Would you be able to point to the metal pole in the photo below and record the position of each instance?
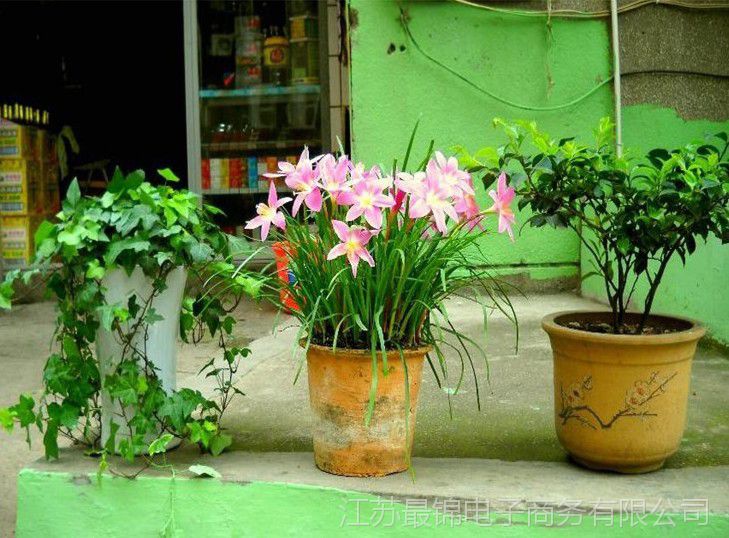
(616, 77)
(192, 96)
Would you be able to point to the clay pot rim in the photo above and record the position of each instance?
(694, 332)
(367, 354)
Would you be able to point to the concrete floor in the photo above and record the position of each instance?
(515, 423)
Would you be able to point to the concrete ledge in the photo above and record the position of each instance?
(262, 494)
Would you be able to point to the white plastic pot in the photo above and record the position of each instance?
(161, 336)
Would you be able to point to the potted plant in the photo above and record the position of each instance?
(374, 255)
(621, 377)
(117, 266)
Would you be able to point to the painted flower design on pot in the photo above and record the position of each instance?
(638, 395)
(574, 407)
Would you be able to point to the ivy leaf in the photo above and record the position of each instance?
(227, 324)
(219, 443)
(152, 316)
(73, 194)
(45, 229)
(251, 286)
(200, 252)
(95, 271)
(168, 175)
(70, 236)
(130, 243)
(69, 415)
(23, 410)
(117, 182)
(107, 199)
(50, 440)
(159, 445)
(204, 471)
(6, 294)
(7, 419)
(134, 180)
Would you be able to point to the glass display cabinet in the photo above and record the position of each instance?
(263, 80)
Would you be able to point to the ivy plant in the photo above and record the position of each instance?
(157, 228)
(632, 214)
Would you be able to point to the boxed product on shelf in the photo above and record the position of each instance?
(262, 169)
(219, 178)
(46, 147)
(252, 173)
(304, 61)
(302, 26)
(50, 189)
(16, 239)
(235, 173)
(17, 141)
(205, 175)
(272, 164)
(19, 187)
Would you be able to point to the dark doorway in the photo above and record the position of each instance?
(113, 71)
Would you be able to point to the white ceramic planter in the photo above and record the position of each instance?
(161, 341)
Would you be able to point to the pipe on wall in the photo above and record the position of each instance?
(616, 77)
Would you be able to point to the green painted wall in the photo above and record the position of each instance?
(63, 505)
(393, 85)
(698, 290)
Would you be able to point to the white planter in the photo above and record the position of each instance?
(161, 341)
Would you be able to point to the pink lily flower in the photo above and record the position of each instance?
(359, 173)
(467, 207)
(269, 214)
(367, 199)
(333, 175)
(409, 183)
(302, 179)
(430, 198)
(447, 172)
(353, 242)
(502, 197)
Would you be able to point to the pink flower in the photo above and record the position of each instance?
(502, 197)
(429, 198)
(302, 179)
(367, 199)
(353, 241)
(333, 174)
(269, 214)
(359, 173)
(448, 174)
(467, 207)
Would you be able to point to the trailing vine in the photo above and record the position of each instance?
(134, 226)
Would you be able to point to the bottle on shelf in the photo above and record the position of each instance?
(275, 57)
(220, 61)
(248, 49)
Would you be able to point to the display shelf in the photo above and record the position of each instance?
(260, 91)
(243, 190)
(215, 147)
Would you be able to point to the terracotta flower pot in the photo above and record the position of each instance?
(620, 400)
(339, 392)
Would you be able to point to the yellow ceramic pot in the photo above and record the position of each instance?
(620, 400)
